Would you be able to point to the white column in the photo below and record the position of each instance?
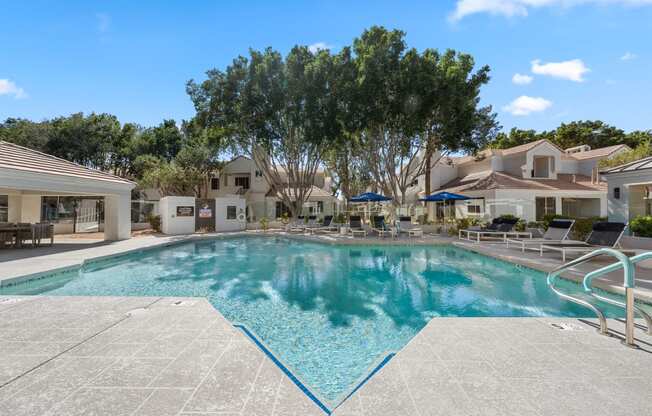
(117, 217)
(558, 207)
(15, 208)
(30, 209)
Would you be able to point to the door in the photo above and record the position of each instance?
(205, 215)
(545, 206)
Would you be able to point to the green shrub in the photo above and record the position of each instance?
(464, 223)
(264, 224)
(339, 219)
(641, 226)
(155, 222)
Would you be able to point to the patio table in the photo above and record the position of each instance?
(14, 231)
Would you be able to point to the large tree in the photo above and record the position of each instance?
(415, 105)
(280, 112)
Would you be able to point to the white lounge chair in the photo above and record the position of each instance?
(500, 229)
(557, 232)
(356, 227)
(325, 226)
(412, 230)
(381, 228)
(604, 234)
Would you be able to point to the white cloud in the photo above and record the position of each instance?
(511, 8)
(628, 56)
(572, 70)
(103, 22)
(318, 46)
(520, 79)
(8, 87)
(524, 105)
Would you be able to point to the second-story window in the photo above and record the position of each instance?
(242, 181)
(215, 184)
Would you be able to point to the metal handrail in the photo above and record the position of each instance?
(553, 275)
(588, 280)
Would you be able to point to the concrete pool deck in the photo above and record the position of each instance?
(179, 356)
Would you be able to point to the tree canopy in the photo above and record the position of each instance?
(594, 133)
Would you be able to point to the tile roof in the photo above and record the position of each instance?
(601, 152)
(645, 163)
(315, 192)
(489, 180)
(21, 158)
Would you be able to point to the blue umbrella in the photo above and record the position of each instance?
(370, 197)
(445, 196)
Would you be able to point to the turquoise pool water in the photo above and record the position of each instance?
(328, 312)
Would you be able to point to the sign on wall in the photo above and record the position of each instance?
(184, 211)
(205, 212)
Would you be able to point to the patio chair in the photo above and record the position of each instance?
(312, 222)
(500, 228)
(379, 226)
(557, 232)
(356, 227)
(42, 231)
(25, 233)
(326, 225)
(6, 235)
(405, 226)
(298, 225)
(603, 234)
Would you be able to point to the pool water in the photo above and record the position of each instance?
(328, 312)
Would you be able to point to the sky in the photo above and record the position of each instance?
(551, 61)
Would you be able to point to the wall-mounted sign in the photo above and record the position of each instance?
(185, 211)
(205, 212)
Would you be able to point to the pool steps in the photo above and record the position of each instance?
(628, 265)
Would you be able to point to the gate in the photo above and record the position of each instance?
(205, 215)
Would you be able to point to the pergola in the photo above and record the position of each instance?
(26, 176)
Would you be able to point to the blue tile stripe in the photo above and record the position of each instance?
(287, 372)
(373, 372)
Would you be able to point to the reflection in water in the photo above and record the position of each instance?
(328, 312)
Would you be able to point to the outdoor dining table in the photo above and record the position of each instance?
(14, 231)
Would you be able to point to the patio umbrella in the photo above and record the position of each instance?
(370, 197)
(445, 197)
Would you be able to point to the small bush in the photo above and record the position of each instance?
(641, 226)
(264, 223)
(155, 222)
(464, 223)
(339, 219)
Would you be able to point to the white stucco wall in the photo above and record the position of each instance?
(630, 203)
(221, 222)
(172, 224)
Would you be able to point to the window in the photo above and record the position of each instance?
(281, 210)
(58, 209)
(473, 209)
(259, 174)
(545, 206)
(413, 183)
(215, 184)
(4, 208)
(320, 206)
(242, 181)
(616, 193)
(231, 211)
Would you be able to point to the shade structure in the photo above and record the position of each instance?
(370, 197)
(445, 196)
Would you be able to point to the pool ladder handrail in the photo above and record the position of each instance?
(629, 283)
(629, 287)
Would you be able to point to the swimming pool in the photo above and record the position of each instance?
(328, 312)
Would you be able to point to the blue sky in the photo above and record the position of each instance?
(576, 59)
